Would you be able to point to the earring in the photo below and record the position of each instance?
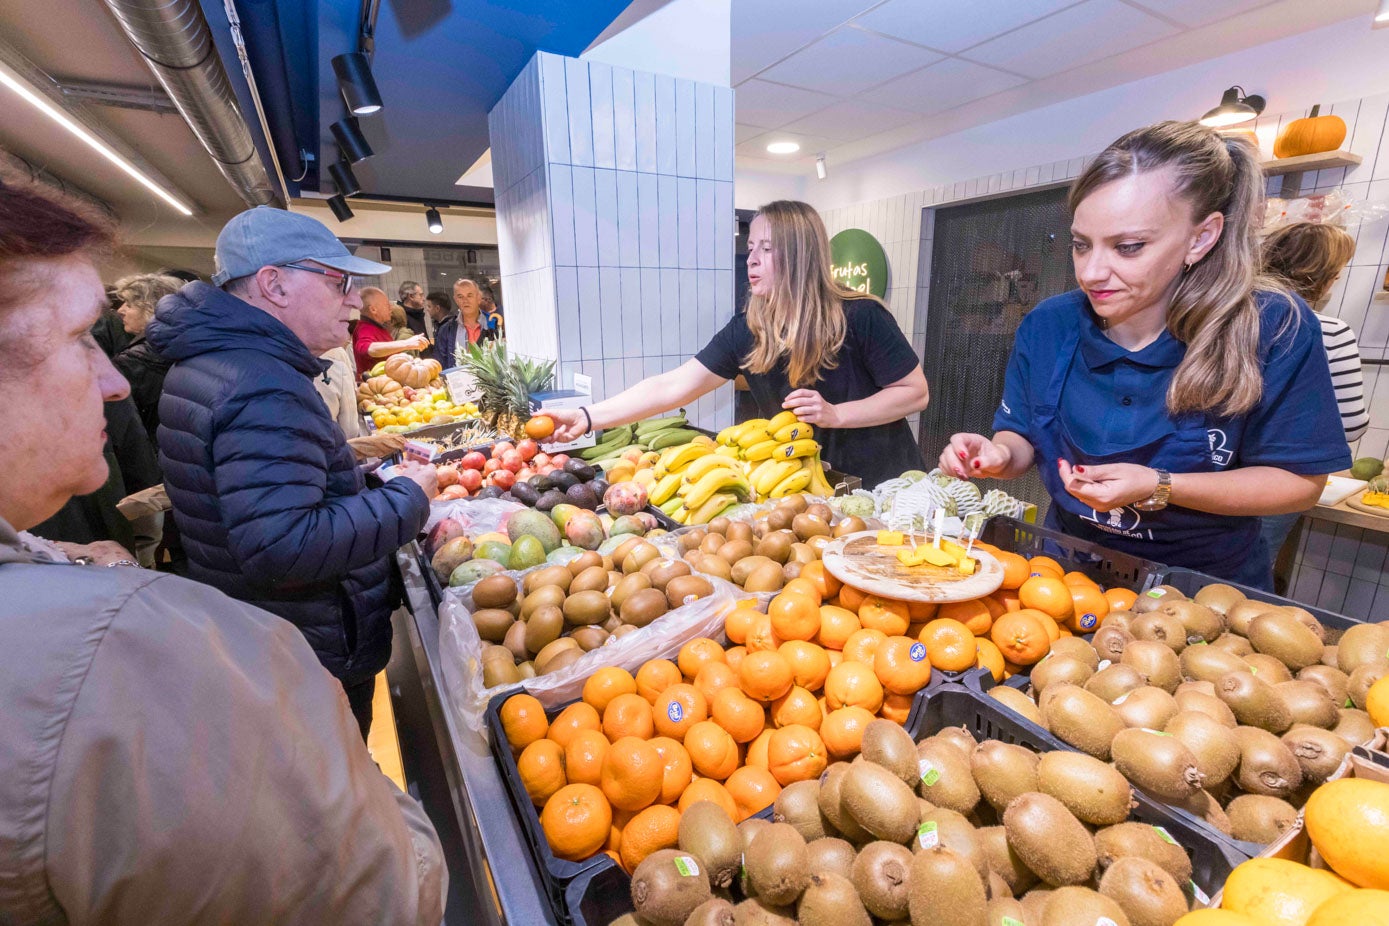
(1186, 268)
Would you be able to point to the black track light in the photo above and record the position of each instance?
(436, 224)
(351, 142)
(356, 83)
(346, 181)
(340, 207)
(1234, 108)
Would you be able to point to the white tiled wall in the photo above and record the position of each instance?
(615, 221)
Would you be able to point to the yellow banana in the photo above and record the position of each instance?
(794, 431)
(757, 470)
(781, 419)
(684, 456)
(704, 440)
(680, 515)
(711, 509)
(761, 451)
(732, 451)
(754, 433)
(728, 435)
(708, 463)
(665, 489)
(796, 482)
(716, 481)
(776, 471)
(796, 449)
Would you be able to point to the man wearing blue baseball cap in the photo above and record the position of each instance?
(267, 496)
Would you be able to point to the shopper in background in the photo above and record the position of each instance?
(833, 356)
(167, 754)
(109, 329)
(1177, 396)
(411, 296)
(373, 342)
(337, 387)
(492, 315)
(439, 306)
(266, 493)
(470, 321)
(140, 363)
(1309, 257)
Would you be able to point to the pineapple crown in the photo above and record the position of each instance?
(505, 383)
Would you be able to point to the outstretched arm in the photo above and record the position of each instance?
(651, 396)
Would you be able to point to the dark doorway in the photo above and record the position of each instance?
(991, 262)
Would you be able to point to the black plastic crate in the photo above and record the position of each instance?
(1212, 856)
(1189, 582)
(1110, 568)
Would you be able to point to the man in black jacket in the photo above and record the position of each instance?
(411, 300)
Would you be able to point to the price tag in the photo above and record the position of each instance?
(1166, 836)
(420, 451)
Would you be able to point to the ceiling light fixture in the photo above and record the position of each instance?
(783, 147)
(340, 207)
(351, 142)
(1381, 19)
(357, 84)
(436, 224)
(344, 179)
(821, 170)
(1235, 107)
(96, 144)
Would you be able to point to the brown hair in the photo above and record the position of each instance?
(38, 225)
(142, 291)
(1213, 311)
(803, 318)
(1308, 256)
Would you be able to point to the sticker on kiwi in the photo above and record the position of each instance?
(1157, 593)
(1105, 921)
(1154, 732)
(1253, 670)
(1104, 664)
(675, 711)
(1009, 921)
(929, 773)
(687, 866)
(1350, 703)
(928, 835)
(1199, 894)
(1166, 836)
(1195, 640)
(688, 598)
(1121, 699)
(917, 652)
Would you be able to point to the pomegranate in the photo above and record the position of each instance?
(559, 459)
(447, 475)
(503, 479)
(513, 460)
(473, 460)
(527, 449)
(491, 466)
(541, 459)
(501, 447)
(470, 479)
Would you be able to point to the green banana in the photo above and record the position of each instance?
(711, 509)
(670, 438)
(652, 425)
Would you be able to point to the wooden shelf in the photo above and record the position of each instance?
(1321, 161)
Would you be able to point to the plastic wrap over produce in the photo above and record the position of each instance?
(477, 515)
(462, 649)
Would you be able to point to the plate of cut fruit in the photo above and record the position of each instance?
(913, 566)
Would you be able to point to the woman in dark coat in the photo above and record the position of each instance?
(140, 363)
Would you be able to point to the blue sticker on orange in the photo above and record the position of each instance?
(917, 652)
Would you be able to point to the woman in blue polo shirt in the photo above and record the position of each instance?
(1176, 396)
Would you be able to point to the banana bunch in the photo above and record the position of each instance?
(782, 454)
(644, 435)
(694, 484)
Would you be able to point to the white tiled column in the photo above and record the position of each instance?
(614, 193)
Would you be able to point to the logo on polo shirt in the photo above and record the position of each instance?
(1220, 454)
(1124, 521)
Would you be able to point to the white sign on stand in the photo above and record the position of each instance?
(461, 385)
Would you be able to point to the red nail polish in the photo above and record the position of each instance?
(976, 464)
(1080, 469)
(962, 456)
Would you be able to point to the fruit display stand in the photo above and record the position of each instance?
(1188, 582)
(1108, 567)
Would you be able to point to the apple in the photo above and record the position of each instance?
(470, 479)
(560, 459)
(473, 460)
(513, 460)
(503, 479)
(491, 466)
(527, 449)
(541, 459)
(501, 447)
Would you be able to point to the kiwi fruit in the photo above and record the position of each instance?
(1141, 840)
(1082, 719)
(1355, 726)
(1201, 623)
(1328, 656)
(1208, 704)
(1059, 670)
(880, 802)
(1266, 765)
(945, 889)
(629, 584)
(1049, 839)
(1002, 860)
(1308, 703)
(1017, 702)
(832, 854)
(767, 577)
(1308, 620)
(1090, 789)
(716, 911)
(1110, 641)
(1362, 677)
(1208, 663)
(707, 833)
(776, 862)
(1336, 682)
(850, 525)
(744, 568)
(1156, 661)
(492, 624)
(1219, 597)
(1034, 905)
(944, 777)
(961, 738)
(681, 590)
(497, 592)
(1121, 619)
(996, 887)
(756, 912)
(1254, 702)
(1155, 598)
(587, 607)
(592, 579)
(499, 672)
(1233, 643)
(1361, 644)
(1318, 752)
(941, 827)
(1002, 771)
(1216, 754)
(552, 650)
(590, 638)
(833, 810)
(515, 641)
(880, 875)
(1160, 627)
(1259, 818)
(1157, 763)
(667, 887)
(585, 560)
(1268, 668)
(776, 546)
(1279, 634)
(661, 575)
(885, 743)
(792, 570)
(1203, 806)
(750, 828)
(644, 606)
(1005, 911)
(1146, 893)
(1146, 707)
(1242, 614)
(1081, 906)
(1192, 684)
(831, 900)
(549, 596)
(714, 566)
(798, 804)
(562, 661)
(1114, 681)
(1076, 648)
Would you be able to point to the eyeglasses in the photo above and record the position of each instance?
(347, 279)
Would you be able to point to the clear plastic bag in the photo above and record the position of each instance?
(478, 515)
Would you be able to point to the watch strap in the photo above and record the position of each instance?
(1158, 500)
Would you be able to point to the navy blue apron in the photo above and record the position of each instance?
(1226, 546)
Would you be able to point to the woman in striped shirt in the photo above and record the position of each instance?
(1309, 257)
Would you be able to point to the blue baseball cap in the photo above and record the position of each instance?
(268, 237)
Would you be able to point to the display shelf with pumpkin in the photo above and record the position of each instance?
(412, 371)
(1311, 135)
(380, 390)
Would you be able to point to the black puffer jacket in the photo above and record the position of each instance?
(266, 494)
(144, 368)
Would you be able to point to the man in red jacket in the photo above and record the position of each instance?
(372, 342)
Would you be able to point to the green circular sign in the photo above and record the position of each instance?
(858, 262)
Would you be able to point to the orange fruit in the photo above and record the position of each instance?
(738, 622)
(796, 753)
(523, 720)
(1053, 629)
(903, 665)
(1044, 565)
(765, 676)
(633, 772)
(921, 611)
(653, 829)
(851, 598)
(1089, 608)
(1015, 570)
(797, 706)
(677, 709)
(676, 770)
(707, 789)
(734, 655)
(836, 625)
(862, 644)
(628, 715)
(761, 637)
(1046, 594)
(577, 716)
(740, 715)
(577, 821)
(696, 654)
(842, 731)
(713, 677)
(853, 684)
(620, 819)
(975, 614)
(836, 657)
(809, 663)
(757, 749)
(583, 757)
(896, 707)
(1020, 637)
(1120, 599)
(825, 584)
(607, 683)
(712, 750)
(891, 617)
(655, 676)
(949, 645)
(988, 656)
(805, 588)
(753, 788)
(1008, 600)
(541, 767)
(1074, 579)
(795, 616)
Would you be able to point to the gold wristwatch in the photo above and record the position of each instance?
(1158, 500)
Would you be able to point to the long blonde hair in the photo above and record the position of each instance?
(1213, 311)
(803, 318)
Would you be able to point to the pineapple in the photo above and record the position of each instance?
(505, 384)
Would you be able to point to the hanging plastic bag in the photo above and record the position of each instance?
(477, 515)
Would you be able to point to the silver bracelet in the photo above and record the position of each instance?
(123, 562)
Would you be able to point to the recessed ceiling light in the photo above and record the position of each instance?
(783, 147)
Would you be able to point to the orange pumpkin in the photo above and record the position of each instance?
(381, 390)
(1311, 135)
(414, 372)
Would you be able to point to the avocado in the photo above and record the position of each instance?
(563, 480)
(579, 470)
(525, 494)
(550, 499)
(581, 494)
(541, 482)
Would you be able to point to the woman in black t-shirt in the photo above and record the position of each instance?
(833, 356)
